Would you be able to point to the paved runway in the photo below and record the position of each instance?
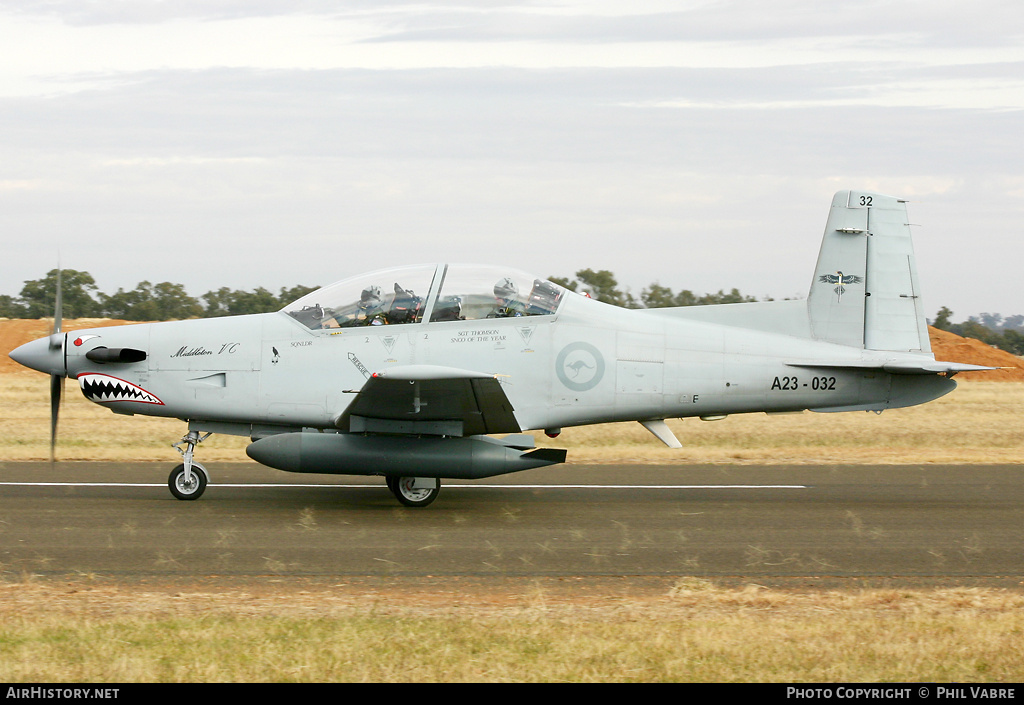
(936, 523)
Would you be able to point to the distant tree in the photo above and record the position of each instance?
(1014, 323)
(992, 321)
(601, 285)
(565, 282)
(125, 305)
(1013, 342)
(733, 297)
(218, 303)
(147, 302)
(39, 296)
(229, 302)
(11, 307)
(942, 318)
(990, 328)
(174, 303)
(971, 328)
(687, 298)
(294, 293)
(657, 296)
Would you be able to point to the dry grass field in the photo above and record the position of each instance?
(690, 631)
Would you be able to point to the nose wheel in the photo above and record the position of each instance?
(188, 486)
(188, 481)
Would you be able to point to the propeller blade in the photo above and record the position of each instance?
(56, 392)
(56, 381)
(58, 313)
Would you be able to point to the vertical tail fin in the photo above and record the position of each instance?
(865, 291)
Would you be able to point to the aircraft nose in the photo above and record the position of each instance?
(39, 355)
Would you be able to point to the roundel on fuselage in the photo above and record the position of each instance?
(579, 366)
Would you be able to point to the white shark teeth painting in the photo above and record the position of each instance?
(103, 388)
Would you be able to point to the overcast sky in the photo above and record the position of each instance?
(693, 143)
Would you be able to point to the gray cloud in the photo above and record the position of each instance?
(700, 178)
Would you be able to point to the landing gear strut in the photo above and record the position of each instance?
(188, 480)
(414, 491)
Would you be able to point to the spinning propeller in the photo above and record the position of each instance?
(57, 341)
(48, 355)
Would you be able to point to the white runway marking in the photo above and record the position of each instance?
(443, 485)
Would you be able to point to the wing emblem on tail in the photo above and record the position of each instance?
(840, 279)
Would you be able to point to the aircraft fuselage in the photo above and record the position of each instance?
(588, 363)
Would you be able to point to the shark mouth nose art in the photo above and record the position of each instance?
(102, 388)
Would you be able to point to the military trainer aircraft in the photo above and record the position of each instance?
(419, 373)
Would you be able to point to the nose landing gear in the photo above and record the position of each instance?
(188, 481)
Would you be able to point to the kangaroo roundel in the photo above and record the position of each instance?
(579, 366)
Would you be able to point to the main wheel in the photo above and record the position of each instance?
(188, 490)
(411, 496)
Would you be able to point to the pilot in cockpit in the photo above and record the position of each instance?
(371, 308)
(507, 305)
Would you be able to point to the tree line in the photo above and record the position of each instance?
(602, 285)
(991, 328)
(167, 301)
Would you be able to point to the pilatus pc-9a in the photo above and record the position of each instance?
(422, 373)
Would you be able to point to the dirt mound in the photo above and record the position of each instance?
(947, 347)
(952, 348)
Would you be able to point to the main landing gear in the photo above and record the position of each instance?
(188, 480)
(414, 491)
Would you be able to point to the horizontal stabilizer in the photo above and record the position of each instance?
(951, 368)
(903, 367)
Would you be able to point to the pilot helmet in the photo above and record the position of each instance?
(505, 289)
(370, 298)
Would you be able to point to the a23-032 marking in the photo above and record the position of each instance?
(817, 383)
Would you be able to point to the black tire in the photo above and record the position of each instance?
(404, 492)
(195, 489)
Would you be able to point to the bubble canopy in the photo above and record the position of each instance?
(436, 293)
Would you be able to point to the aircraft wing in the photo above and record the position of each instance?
(901, 367)
(430, 400)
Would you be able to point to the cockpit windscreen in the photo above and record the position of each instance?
(471, 292)
(387, 297)
(400, 295)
